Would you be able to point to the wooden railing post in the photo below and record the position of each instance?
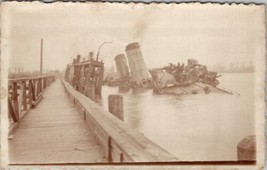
(41, 85)
(24, 98)
(38, 87)
(44, 82)
(11, 111)
(15, 100)
(31, 92)
(24, 92)
(34, 90)
(47, 82)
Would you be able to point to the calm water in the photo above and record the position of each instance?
(193, 127)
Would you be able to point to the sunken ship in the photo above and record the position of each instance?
(193, 78)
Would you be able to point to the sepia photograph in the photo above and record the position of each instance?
(92, 84)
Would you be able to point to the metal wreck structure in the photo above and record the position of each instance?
(193, 78)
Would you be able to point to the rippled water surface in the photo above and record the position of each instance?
(193, 127)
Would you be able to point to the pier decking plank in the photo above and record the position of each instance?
(53, 133)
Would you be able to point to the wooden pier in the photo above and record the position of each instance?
(54, 133)
(67, 128)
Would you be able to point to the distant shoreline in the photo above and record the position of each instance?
(235, 71)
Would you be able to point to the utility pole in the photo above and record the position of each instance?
(41, 58)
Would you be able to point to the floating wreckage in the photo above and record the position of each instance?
(179, 79)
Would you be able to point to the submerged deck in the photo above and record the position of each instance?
(54, 133)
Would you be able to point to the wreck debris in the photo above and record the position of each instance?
(192, 78)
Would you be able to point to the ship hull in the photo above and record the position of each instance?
(194, 88)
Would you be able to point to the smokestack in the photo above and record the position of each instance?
(137, 64)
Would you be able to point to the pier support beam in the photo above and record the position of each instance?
(115, 106)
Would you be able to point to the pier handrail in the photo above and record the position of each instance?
(28, 78)
(120, 142)
(24, 93)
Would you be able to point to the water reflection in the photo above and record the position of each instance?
(193, 127)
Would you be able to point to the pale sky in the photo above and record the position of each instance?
(167, 33)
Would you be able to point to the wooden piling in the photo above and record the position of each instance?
(246, 149)
(115, 105)
(90, 91)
